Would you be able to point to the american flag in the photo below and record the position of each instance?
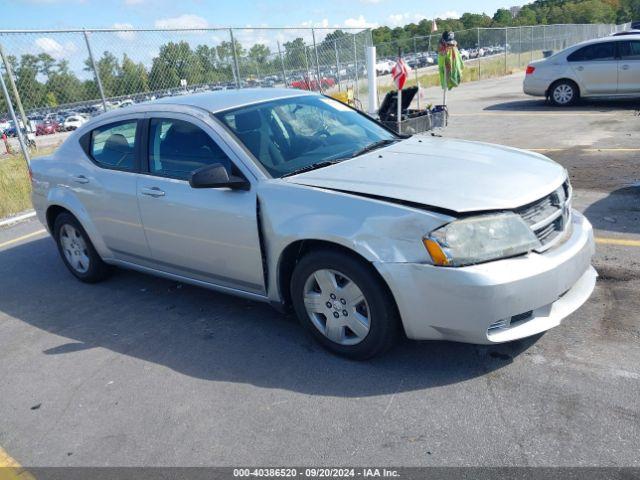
(399, 73)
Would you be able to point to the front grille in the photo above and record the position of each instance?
(550, 216)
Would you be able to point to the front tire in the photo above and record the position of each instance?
(77, 251)
(343, 303)
(563, 93)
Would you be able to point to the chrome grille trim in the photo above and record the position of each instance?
(549, 217)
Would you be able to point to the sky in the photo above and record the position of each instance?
(56, 14)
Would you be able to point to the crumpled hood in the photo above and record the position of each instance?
(456, 175)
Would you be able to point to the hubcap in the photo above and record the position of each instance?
(74, 248)
(337, 307)
(563, 93)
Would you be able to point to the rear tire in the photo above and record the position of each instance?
(563, 93)
(77, 251)
(343, 303)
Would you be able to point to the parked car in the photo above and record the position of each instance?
(295, 199)
(384, 67)
(607, 66)
(72, 122)
(47, 127)
(312, 83)
(626, 32)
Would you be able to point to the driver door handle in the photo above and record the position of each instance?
(152, 192)
(580, 68)
(625, 67)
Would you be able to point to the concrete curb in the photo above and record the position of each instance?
(17, 219)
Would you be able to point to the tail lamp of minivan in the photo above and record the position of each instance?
(530, 69)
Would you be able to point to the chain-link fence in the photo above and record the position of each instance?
(55, 74)
(487, 52)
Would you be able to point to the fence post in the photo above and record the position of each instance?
(23, 145)
(315, 49)
(335, 46)
(14, 89)
(544, 37)
(355, 63)
(479, 76)
(372, 82)
(284, 72)
(519, 45)
(531, 44)
(506, 47)
(95, 70)
(235, 58)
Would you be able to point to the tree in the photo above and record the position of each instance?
(502, 17)
(133, 77)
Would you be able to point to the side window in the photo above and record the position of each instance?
(597, 52)
(177, 148)
(630, 50)
(113, 145)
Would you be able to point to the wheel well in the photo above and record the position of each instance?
(295, 251)
(52, 213)
(568, 80)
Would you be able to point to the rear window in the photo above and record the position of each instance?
(597, 52)
(113, 145)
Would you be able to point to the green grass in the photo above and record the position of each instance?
(15, 187)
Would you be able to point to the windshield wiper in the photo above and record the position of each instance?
(374, 146)
(308, 168)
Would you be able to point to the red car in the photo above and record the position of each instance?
(47, 128)
(312, 84)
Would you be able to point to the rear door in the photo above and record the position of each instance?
(596, 68)
(106, 186)
(629, 67)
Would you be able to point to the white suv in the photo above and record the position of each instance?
(604, 67)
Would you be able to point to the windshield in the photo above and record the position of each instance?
(297, 133)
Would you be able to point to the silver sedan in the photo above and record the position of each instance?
(292, 198)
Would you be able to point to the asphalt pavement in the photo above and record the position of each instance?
(141, 371)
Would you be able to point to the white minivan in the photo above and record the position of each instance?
(607, 66)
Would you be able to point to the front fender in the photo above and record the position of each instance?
(376, 230)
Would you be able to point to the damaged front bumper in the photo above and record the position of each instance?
(497, 301)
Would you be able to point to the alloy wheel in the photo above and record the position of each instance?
(563, 94)
(337, 307)
(74, 248)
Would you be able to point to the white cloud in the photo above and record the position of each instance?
(401, 19)
(182, 21)
(55, 49)
(124, 35)
(133, 2)
(359, 22)
(448, 14)
(324, 23)
(371, 1)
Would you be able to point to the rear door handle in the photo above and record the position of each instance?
(580, 68)
(152, 192)
(80, 179)
(625, 67)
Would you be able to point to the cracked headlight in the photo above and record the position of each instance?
(480, 239)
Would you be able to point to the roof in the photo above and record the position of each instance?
(226, 99)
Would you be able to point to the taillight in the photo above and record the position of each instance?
(530, 69)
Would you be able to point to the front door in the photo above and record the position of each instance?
(629, 69)
(206, 234)
(596, 68)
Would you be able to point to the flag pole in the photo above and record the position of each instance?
(399, 94)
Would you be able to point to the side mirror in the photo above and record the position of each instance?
(216, 176)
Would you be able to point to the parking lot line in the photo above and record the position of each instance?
(618, 241)
(536, 114)
(23, 237)
(604, 150)
(10, 469)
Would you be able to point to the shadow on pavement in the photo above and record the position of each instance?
(216, 337)
(617, 212)
(540, 105)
